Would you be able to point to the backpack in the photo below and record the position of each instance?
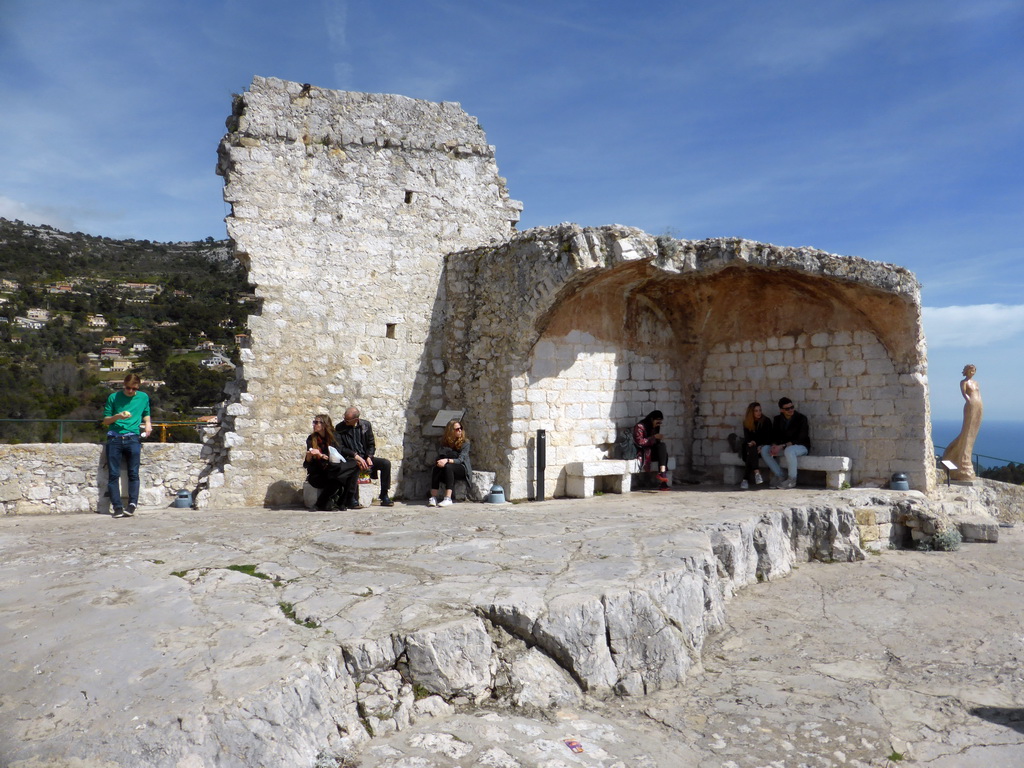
(625, 448)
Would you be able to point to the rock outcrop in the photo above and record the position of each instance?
(197, 639)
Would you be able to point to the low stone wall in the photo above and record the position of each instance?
(47, 478)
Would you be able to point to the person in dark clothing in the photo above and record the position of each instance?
(356, 441)
(452, 463)
(792, 438)
(651, 446)
(329, 473)
(757, 432)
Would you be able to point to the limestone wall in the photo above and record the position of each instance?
(380, 239)
(857, 402)
(63, 478)
(343, 207)
(582, 331)
(530, 347)
(583, 391)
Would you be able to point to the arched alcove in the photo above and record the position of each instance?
(699, 331)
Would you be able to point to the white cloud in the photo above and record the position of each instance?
(15, 209)
(977, 325)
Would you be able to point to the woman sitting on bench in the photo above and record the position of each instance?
(650, 445)
(757, 431)
(452, 464)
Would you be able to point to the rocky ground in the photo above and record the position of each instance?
(497, 636)
(907, 658)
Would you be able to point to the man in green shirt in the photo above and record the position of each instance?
(125, 414)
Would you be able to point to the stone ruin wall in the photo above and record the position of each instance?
(343, 207)
(380, 239)
(583, 391)
(602, 325)
(578, 382)
(858, 403)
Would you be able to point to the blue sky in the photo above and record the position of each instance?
(888, 130)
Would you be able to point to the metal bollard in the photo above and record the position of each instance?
(542, 460)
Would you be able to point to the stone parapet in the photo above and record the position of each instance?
(49, 478)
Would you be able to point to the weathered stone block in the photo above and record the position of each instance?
(980, 529)
(865, 516)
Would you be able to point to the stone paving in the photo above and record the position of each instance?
(132, 642)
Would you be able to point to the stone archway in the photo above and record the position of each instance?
(614, 323)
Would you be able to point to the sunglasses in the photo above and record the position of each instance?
(317, 421)
(789, 407)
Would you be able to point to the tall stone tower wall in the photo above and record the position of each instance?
(343, 208)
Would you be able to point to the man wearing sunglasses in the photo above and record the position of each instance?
(792, 439)
(356, 441)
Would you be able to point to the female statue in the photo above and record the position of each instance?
(961, 449)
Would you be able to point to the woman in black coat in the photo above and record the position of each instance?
(452, 464)
(324, 471)
(757, 431)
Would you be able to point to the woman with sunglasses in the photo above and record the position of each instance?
(452, 464)
(326, 469)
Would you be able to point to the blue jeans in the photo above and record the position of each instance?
(791, 453)
(128, 447)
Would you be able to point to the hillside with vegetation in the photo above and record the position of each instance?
(78, 312)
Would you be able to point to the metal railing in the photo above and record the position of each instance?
(940, 449)
(161, 425)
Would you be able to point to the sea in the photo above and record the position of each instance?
(998, 443)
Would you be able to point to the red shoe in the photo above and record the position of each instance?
(663, 478)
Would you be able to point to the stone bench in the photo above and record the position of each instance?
(616, 477)
(836, 468)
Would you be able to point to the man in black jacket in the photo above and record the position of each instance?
(356, 441)
(792, 438)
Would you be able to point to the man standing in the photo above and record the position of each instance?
(792, 438)
(125, 413)
(356, 441)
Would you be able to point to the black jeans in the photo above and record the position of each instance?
(659, 457)
(447, 474)
(334, 480)
(750, 455)
(381, 469)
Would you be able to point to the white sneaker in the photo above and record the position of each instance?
(445, 502)
(757, 478)
(789, 482)
(431, 502)
(744, 485)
